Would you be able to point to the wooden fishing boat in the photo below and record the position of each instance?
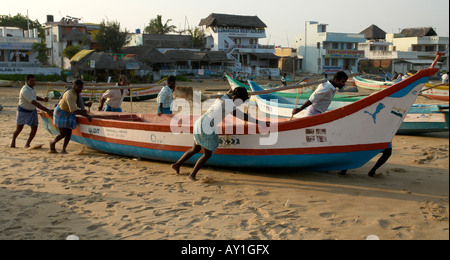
(5, 83)
(439, 92)
(289, 95)
(420, 118)
(138, 94)
(371, 84)
(341, 139)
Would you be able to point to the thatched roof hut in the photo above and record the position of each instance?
(97, 61)
(74, 35)
(147, 55)
(418, 32)
(230, 21)
(374, 32)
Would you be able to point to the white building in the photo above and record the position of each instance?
(239, 37)
(67, 32)
(411, 50)
(16, 50)
(326, 52)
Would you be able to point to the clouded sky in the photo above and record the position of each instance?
(285, 19)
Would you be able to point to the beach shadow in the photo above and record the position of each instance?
(31, 215)
(392, 181)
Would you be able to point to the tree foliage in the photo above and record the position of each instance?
(156, 26)
(110, 38)
(197, 37)
(41, 49)
(21, 22)
(70, 51)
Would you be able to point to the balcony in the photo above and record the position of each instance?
(252, 48)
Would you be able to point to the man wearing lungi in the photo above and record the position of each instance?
(64, 117)
(26, 110)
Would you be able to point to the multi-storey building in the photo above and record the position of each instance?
(326, 52)
(16, 50)
(239, 37)
(67, 32)
(411, 50)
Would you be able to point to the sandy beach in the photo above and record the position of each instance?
(98, 196)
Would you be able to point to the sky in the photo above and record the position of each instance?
(285, 19)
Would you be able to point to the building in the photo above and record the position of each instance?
(411, 50)
(16, 47)
(421, 44)
(16, 52)
(65, 33)
(288, 60)
(326, 52)
(163, 42)
(239, 37)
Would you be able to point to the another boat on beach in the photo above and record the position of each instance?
(341, 139)
(371, 84)
(420, 118)
(6, 83)
(138, 94)
(436, 92)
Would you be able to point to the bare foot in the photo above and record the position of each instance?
(176, 168)
(52, 148)
(63, 152)
(192, 178)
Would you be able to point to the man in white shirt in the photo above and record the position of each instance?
(114, 97)
(445, 78)
(321, 99)
(165, 97)
(26, 110)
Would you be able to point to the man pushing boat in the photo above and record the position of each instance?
(65, 118)
(321, 99)
(206, 132)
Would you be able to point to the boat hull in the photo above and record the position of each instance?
(137, 94)
(342, 139)
(371, 84)
(440, 93)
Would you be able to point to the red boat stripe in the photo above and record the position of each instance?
(259, 152)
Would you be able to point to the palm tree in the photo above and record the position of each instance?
(197, 37)
(157, 27)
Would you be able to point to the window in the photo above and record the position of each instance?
(430, 48)
(335, 46)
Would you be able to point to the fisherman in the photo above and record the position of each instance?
(26, 110)
(165, 96)
(114, 97)
(205, 129)
(321, 99)
(284, 80)
(65, 118)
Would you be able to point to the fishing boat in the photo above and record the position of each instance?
(371, 84)
(289, 95)
(436, 92)
(419, 119)
(341, 139)
(5, 83)
(138, 94)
